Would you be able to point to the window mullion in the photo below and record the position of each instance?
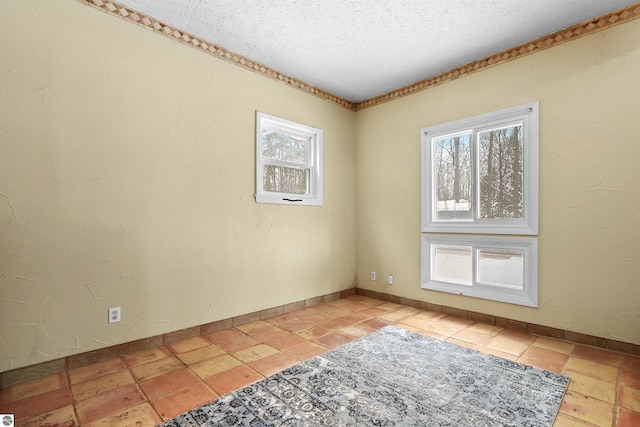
(286, 163)
(433, 203)
(475, 174)
(474, 265)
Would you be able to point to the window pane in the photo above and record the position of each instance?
(452, 264)
(501, 172)
(280, 146)
(284, 179)
(453, 177)
(503, 268)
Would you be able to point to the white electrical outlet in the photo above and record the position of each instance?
(390, 279)
(114, 315)
(373, 275)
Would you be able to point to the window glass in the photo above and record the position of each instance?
(452, 264)
(453, 183)
(501, 192)
(279, 146)
(499, 267)
(286, 179)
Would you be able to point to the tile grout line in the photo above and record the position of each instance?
(332, 312)
(147, 399)
(572, 354)
(539, 330)
(617, 405)
(73, 398)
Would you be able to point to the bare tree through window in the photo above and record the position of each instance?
(501, 172)
(453, 154)
(286, 159)
(288, 162)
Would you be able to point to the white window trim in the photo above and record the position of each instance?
(314, 198)
(528, 224)
(528, 296)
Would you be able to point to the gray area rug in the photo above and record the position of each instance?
(392, 377)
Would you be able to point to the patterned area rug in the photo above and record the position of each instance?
(392, 377)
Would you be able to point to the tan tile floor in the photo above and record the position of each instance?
(145, 388)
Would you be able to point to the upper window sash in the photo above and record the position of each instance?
(458, 192)
(288, 162)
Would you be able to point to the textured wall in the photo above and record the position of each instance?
(127, 179)
(589, 270)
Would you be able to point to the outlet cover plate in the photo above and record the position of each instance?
(114, 314)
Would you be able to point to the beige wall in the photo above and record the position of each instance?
(127, 179)
(589, 265)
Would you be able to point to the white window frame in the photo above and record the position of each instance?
(484, 233)
(526, 114)
(266, 122)
(527, 296)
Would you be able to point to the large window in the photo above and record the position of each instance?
(480, 181)
(480, 175)
(288, 162)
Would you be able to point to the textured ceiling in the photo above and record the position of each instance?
(357, 49)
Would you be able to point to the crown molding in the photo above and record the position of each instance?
(116, 9)
(557, 38)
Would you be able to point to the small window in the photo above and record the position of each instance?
(498, 268)
(288, 162)
(480, 175)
